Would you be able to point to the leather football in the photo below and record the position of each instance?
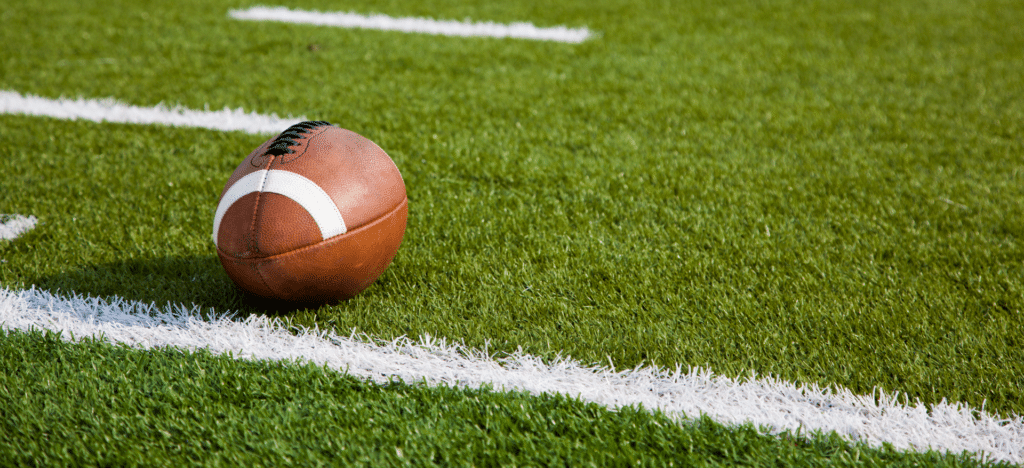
(315, 214)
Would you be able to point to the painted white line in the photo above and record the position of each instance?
(413, 25)
(12, 226)
(765, 402)
(109, 110)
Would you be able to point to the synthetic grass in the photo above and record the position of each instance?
(829, 192)
(94, 404)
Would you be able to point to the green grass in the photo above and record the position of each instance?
(829, 192)
(94, 404)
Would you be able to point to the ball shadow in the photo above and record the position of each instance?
(195, 280)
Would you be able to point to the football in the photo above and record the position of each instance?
(314, 214)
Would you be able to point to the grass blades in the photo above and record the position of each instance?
(825, 192)
(92, 403)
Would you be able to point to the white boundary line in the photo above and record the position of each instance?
(413, 25)
(12, 226)
(110, 110)
(765, 402)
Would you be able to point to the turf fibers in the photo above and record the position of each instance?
(94, 404)
(828, 192)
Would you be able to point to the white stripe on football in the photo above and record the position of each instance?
(303, 191)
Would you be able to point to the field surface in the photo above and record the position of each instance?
(827, 193)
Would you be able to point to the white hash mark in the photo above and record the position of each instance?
(520, 30)
(109, 110)
(12, 226)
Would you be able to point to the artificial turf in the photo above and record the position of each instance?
(828, 192)
(95, 404)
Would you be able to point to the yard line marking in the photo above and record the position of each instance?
(110, 110)
(766, 402)
(381, 22)
(12, 226)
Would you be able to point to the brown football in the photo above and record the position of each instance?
(315, 214)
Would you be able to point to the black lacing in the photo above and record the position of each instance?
(287, 138)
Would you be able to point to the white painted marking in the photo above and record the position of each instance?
(413, 25)
(303, 191)
(109, 110)
(765, 402)
(12, 226)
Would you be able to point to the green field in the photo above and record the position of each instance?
(826, 192)
(122, 407)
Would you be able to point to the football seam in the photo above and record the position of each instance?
(259, 274)
(311, 197)
(262, 260)
(304, 134)
(257, 212)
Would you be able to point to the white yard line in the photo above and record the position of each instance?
(12, 226)
(765, 402)
(413, 25)
(109, 110)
